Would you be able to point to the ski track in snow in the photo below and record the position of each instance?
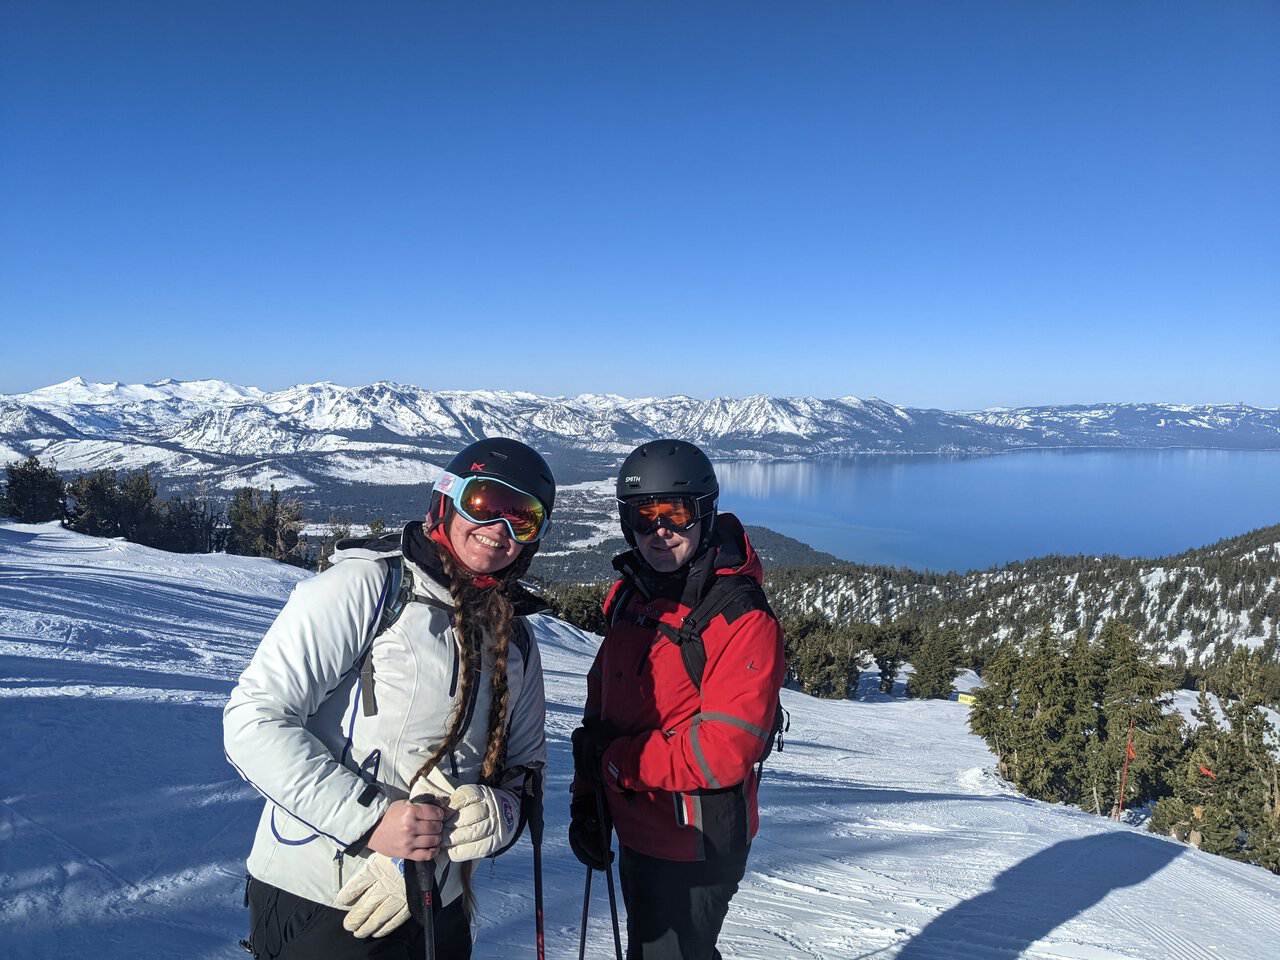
(885, 833)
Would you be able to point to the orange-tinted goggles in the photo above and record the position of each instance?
(486, 500)
(645, 515)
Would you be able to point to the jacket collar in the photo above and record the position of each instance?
(421, 552)
(423, 558)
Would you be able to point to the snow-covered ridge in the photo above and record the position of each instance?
(220, 426)
(1186, 605)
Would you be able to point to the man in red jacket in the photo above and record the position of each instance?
(677, 720)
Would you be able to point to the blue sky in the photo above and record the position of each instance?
(951, 204)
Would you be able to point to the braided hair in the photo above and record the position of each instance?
(480, 612)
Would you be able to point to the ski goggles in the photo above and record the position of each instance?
(678, 513)
(485, 500)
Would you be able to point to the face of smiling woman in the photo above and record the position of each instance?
(482, 549)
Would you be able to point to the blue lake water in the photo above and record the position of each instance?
(959, 513)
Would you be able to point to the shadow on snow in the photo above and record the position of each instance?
(1041, 893)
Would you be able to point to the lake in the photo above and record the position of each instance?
(959, 513)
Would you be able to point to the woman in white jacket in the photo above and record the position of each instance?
(406, 668)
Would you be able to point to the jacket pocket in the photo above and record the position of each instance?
(277, 918)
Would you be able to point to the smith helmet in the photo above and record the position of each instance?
(667, 483)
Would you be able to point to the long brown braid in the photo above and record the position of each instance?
(480, 611)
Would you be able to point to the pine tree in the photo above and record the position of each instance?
(1045, 695)
(191, 525)
(95, 504)
(33, 493)
(1135, 696)
(1086, 725)
(936, 663)
(991, 716)
(245, 535)
(894, 644)
(265, 526)
(136, 509)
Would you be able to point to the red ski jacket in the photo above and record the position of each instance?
(680, 774)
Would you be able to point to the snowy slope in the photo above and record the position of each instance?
(122, 830)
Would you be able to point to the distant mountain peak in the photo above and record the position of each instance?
(211, 426)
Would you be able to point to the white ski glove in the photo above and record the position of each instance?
(374, 898)
(484, 821)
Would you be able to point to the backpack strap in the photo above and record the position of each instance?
(398, 593)
(522, 637)
(731, 596)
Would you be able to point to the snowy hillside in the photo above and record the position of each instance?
(221, 432)
(1183, 605)
(122, 829)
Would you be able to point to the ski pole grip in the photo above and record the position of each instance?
(425, 872)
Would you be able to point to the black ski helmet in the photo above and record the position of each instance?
(503, 459)
(665, 467)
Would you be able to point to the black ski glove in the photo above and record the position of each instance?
(590, 843)
(589, 744)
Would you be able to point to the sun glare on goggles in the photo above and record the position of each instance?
(486, 500)
(644, 515)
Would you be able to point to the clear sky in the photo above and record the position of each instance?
(943, 204)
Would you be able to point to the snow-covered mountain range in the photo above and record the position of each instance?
(885, 832)
(388, 433)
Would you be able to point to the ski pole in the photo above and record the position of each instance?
(586, 909)
(535, 834)
(425, 870)
(606, 835)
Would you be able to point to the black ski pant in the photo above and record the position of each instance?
(674, 909)
(285, 927)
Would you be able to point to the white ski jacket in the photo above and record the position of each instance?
(297, 726)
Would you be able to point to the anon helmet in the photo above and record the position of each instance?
(500, 458)
(663, 469)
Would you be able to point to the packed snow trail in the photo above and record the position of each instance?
(123, 830)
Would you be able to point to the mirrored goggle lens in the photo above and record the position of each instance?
(482, 500)
(674, 513)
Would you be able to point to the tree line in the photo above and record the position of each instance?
(1192, 609)
(127, 504)
(824, 658)
(1089, 721)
